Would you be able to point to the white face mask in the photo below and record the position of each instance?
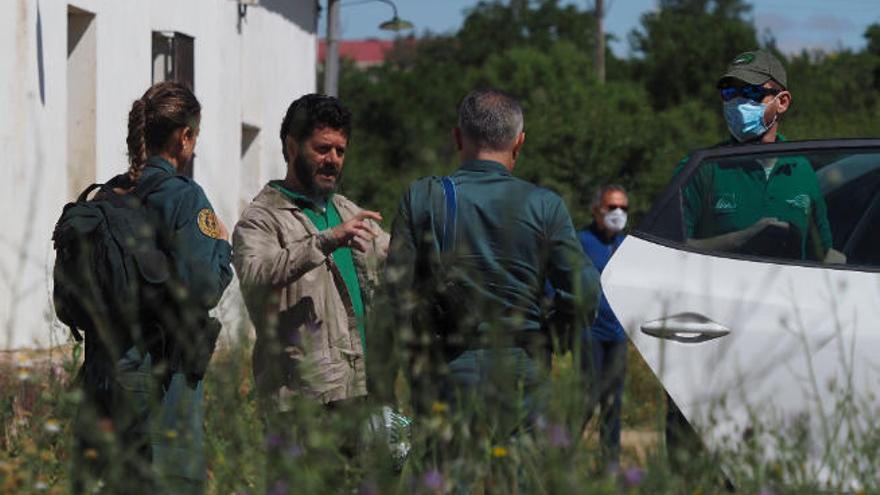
(615, 220)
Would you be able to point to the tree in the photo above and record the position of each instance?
(686, 45)
(872, 35)
(580, 134)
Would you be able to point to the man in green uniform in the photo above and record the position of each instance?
(769, 206)
(763, 205)
(467, 268)
(307, 259)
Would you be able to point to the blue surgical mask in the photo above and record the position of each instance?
(745, 118)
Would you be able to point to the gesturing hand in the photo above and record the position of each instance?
(356, 232)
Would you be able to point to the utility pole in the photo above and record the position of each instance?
(331, 58)
(600, 42)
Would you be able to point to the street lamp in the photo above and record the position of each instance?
(331, 60)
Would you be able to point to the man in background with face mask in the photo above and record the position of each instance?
(605, 353)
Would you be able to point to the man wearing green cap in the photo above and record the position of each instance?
(767, 206)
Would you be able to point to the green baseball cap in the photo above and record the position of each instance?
(756, 67)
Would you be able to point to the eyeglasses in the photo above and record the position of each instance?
(750, 91)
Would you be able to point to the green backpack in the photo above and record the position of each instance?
(110, 269)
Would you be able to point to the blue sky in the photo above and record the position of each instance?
(796, 24)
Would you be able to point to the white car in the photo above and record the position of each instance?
(742, 339)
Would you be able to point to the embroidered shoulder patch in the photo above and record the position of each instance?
(208, 223)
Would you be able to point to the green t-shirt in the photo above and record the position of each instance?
(735, 193)
(327, 218)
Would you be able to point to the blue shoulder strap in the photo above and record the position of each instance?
(448, 240)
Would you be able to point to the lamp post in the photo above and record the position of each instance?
(331, 59)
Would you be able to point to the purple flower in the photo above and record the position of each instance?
(274, 441)
(633, 477)
(279, 488)
(433, 480)
(294, 451)
(314, 325)
(557, 435)
(368, 487)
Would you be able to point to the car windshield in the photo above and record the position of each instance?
(814, 206)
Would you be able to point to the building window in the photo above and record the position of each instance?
(173, 58)
(82, 55)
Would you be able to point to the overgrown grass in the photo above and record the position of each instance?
(38, 404)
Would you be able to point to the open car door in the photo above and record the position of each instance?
(755, 316)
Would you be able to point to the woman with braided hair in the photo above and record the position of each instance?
(148, 391)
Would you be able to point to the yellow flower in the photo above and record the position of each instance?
(171, 434)
(499, 451)
(439, 407)
(52, 426)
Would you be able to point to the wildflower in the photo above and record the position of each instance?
(633, 477)
(557, 435)
(294, 451)
(41, 486)
(368, 487)
(499, 451)
(279, 488)
(171, 434)
(106, 426)
(90, 454)
(314, 325)
(24, 375)
(433, 480)
(439, 407)
(274, 440)
(52, 426)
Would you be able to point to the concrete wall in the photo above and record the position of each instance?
(246, 72)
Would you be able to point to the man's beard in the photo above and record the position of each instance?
(306, 174)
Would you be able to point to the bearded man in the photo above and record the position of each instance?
(307, 260)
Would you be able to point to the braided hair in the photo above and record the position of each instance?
(164, 108)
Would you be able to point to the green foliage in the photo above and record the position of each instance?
(872, 35)
(653, 110)
(685, 46)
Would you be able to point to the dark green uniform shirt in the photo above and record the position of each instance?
(733, 195)
(511, 236)
(201, 258)
(327, 218)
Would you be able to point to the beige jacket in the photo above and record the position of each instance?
(307, 337)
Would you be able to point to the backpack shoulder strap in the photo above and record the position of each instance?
(85, 194)
(448, 240)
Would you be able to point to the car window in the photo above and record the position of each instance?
(816, 206)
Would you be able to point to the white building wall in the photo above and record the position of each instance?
(243, 73)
